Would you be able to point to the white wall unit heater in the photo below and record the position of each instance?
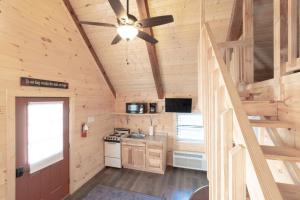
(190, 160)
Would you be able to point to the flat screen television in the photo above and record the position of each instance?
(179, 105)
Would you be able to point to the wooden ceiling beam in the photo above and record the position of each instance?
(89, 45)
(143, 8)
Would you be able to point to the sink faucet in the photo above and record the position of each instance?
(140, 131)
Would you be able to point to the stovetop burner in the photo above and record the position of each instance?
(117, 135)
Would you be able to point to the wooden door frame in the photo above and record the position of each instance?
(11, 131)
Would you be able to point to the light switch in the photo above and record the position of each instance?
(91, 119)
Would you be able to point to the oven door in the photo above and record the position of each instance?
(112, 149)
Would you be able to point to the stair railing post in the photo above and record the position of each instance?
(237, 171)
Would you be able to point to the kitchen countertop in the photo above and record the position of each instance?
(158, 137)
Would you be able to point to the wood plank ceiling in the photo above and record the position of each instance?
(218, 15)
(127, 63)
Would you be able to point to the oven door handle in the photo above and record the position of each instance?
(113, 142)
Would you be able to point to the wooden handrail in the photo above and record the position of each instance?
(264, 176)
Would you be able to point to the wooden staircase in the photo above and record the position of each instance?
(232, 168)
(269, 109)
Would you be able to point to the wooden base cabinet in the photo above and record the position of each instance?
(127, 157)
(154, 159)
(134, 157)
(144, 156)
(139, 160)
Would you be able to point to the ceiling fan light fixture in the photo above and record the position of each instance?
(127, 32)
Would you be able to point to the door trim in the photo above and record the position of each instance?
(11, 131)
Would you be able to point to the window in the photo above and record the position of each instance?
(45, 134)
(190, 128)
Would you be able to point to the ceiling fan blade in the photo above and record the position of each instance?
(118, 8)
(97, 24)
(156, 21)
(116, 40)
(147, 37)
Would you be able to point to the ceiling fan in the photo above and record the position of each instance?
(129, 26)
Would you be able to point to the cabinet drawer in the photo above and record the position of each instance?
(113, 162)
(154, 154)
(154, 164)
(134, 143)
(154, 146)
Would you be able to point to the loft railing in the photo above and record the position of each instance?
(239, 54)
(293, 27)
(234, 53)
(235, 159)
(238, 50)
(286, 41)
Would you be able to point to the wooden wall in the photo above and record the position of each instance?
(163, 123)
(38, 39)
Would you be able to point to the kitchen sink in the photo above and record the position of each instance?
(136, 136)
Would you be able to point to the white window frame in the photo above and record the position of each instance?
(179, 139)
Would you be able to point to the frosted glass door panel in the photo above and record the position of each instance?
(45, 134)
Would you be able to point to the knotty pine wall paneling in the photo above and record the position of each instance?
(38, 39)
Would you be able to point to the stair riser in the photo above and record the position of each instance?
(263, 108)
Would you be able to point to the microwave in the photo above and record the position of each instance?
(136, 108)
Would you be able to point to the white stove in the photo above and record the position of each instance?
(113, 147)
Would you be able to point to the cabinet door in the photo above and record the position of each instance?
(154, 159)
(139, 157)
(127, 159)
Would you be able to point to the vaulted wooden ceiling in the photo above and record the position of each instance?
(176, 50)
(127, 64)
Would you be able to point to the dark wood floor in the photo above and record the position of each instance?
(175, 184)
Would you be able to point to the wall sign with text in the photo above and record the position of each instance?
(43, 83)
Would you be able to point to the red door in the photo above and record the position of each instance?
(42, 148)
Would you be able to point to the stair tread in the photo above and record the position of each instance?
(289, 191)
(271, 124)
(281, 153)
(259, 101)
(260, 108)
